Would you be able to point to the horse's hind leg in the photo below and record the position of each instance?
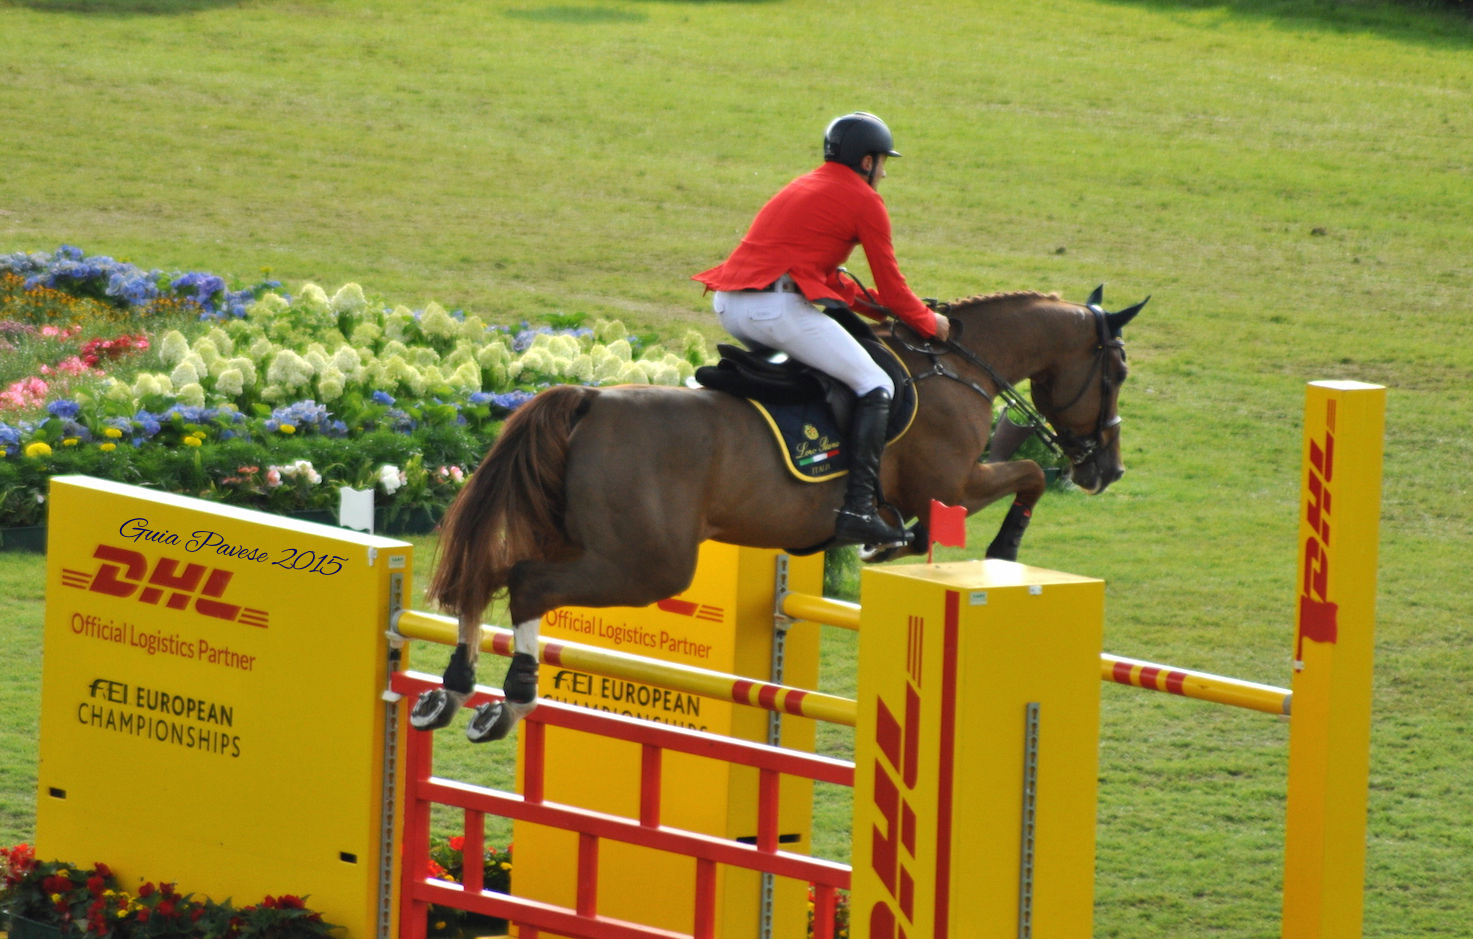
(589, 580)
(438, 706)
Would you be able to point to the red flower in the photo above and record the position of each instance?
(143, 914)
(166, 908)
(288, 902)
(457, 843)
(103, 870)
(146, 890)
(95, 883)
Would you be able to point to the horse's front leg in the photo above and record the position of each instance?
(436, 707)
(989, 482)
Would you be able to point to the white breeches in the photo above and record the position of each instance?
(789, 323)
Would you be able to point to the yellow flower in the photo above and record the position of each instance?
(107, 447)
(192, 441)
(288, 429)
(38, 449)
(71, 441)
(56, 898)
(505, 866)
(439, 924)
(112, 432)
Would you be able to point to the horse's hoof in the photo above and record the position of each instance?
(435, 709)
(495, 721)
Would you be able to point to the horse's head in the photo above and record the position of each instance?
(1078, 393)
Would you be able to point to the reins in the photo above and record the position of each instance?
(1056, 442)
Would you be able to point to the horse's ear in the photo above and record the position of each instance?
(1096, 296)
(1117, 321)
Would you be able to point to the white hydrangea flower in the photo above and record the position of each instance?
(173, 348)
(273, 394)
(330, 384)
(348, 299)
(247, 369)
(346, 359)
(581, 369)
(608, 370)
(268, 305)
(472, 327)
(422, 357)
(289, 370)
(608, 331)
(396, 324)
(564, 347)
(366, 335)
(621, 349)
(261, 349)
(221, 340)
(313, 299)
(664, 374)
(391, 478)
(436, 322)
(634, 373)
(184, 374)
(230, 382)
(536, 360)
(467, 377)
(395, 347)
(192, 394)
(493, 354)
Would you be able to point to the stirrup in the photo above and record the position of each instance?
(854, 528)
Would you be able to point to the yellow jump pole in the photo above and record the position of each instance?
(428, 627)
(1330, 737)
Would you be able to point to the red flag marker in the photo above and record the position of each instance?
(948, 527)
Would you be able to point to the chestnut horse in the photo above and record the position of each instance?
(601, 496)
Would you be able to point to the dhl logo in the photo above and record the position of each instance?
(712, 614)
(169, 582)
(896, 776)
(1317, 615)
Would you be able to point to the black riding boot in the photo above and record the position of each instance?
(859, 521)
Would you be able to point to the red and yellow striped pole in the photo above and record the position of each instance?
(720, 686)
(1330, 736)
(1200, 685)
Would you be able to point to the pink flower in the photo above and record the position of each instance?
(273, 477)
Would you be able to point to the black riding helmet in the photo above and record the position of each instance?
(849, 139)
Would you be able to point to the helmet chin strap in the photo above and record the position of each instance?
(874, 167)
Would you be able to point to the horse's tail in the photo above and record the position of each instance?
(512, 507)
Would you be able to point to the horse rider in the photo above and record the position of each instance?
(789, 261)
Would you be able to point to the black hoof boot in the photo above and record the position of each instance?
(1010, 536)
(520, 683)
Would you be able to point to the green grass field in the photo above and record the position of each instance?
(1292, 182)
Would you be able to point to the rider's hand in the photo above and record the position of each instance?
(943, 328)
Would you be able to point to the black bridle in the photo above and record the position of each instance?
(1063, 443)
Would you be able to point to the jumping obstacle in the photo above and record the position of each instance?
(174, 659)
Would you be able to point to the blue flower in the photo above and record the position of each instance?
(383, 397)
(65, 410)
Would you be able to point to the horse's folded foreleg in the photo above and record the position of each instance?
(989, 482)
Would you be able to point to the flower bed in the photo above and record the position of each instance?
(259, 398)
(77, 902)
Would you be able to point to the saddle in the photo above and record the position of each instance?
(808, 411)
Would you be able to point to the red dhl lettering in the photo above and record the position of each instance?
(1317, 614)
(167, 582)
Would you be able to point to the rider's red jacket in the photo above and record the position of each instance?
(810, 228)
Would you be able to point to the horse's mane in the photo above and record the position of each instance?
(1005, 295)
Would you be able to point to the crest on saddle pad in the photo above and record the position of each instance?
(807, 410)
